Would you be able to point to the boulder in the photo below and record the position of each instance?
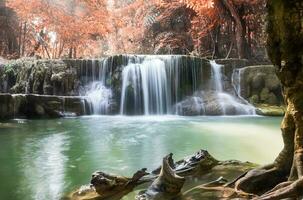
(254, 99)
(269, 110)
(261, 81)
(258, 82)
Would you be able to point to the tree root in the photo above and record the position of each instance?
(285, 190)
(260, 180)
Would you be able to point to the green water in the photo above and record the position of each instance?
(44, 159)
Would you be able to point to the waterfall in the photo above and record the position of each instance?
(217, 76)
(159, 85)
(226, 100)
(97, 94)
(236, 80)
(98, 97)
(148, 79)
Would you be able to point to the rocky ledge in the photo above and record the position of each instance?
(270, 110)
(39, 106)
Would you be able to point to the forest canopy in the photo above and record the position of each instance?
(90, 28)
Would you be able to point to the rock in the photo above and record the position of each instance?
(268, 97)
(39, 110)
(33, 106)
(212, 103)
(264, 95)
(258, 82)
(269, 110)
(192, 106)
(254, 99)
(7, 109)
(46, 77)
(261, 81)
(272, 99)
(272, 83)
(233, 63)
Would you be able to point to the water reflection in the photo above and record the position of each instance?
(43, 166)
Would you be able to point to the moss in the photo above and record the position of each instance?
(10, 69)
(268, 110)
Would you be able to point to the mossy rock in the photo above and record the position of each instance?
(269, 110)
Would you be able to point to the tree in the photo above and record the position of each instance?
(285, 42)
(238, 19)
(8, 35)
(54, 28)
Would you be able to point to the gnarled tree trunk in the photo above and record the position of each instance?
(285, 49)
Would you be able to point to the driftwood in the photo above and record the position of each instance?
(168, 185)
(164, 182)
(107, 186)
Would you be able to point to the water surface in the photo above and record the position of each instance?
(44, 159)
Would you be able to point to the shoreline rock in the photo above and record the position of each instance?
(270, 110)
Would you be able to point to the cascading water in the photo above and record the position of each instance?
(147, 81)
(98, 97)
(226, 100)
(97, 94)
(237, 81)
(152, 85)
(217, 76)
(158, 85)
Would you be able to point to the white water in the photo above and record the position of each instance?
(217, 76)
(99, 98)
(153, 85)
(149, 79)
(226, 100)
(97, 94)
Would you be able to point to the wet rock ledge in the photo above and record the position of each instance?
(39, 106)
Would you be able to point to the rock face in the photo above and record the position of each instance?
(47, 77)
(37, 106)
(260, 85)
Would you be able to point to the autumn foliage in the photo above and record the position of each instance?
(90, 28)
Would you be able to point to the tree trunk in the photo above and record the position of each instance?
(216, 43)
(240, 36)
(70, 53)
(285, 49)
